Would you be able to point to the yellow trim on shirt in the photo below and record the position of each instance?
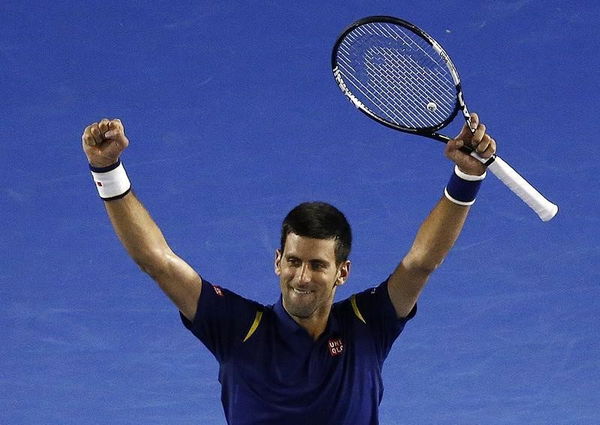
(356, 310)
(254, 326)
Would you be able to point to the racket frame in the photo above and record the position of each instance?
(431, 132)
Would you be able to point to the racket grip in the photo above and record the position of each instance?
(521, 187)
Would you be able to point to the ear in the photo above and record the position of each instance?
(278, 256)
(343, 273)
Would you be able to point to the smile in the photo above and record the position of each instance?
(297, 291)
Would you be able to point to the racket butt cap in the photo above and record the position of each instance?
(549, 214)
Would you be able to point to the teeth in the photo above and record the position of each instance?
(301, 292)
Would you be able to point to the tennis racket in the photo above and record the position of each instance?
(398, 75)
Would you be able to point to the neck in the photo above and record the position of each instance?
(314, 325)
(316, 322)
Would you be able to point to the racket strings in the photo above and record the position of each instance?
(418, 66)
(398, 75)
(405, 85)
(379, 97)
(370, 92)
(402, 71)
(397, 85)
(380, 92)
(432, 66)
(374, 96)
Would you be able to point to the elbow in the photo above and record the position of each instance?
(426, 268)
(422, 264)
(154, 263)
(146, 267)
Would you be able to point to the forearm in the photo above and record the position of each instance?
(437, 235)
(138, 232)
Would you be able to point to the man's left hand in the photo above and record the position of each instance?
(481, 142)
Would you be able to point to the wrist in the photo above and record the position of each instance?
(462, 188)
(100, 168)
(100, 161)
(111, 181)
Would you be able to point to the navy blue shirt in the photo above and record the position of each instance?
(272, 372)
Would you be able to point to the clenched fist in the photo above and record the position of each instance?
(477, 139)
(104, 142)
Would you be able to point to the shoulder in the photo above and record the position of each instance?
(371, 304)
(219, 307)
(349, 309)
(220, 295)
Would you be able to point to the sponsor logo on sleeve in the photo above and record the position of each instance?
(218, 290)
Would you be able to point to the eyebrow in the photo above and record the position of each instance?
(312, 260)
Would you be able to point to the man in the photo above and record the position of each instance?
(304, 359)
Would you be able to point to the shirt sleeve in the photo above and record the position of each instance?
(222, 319)
(377, 311)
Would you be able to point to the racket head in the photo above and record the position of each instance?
(398, 75)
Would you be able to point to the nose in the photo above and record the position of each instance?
(305, 274)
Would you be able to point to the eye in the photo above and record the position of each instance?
(318, 265)
(293, 262)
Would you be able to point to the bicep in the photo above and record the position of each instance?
(405, 286)
(180, 282)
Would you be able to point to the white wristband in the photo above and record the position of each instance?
(469, 177)
(112, 181)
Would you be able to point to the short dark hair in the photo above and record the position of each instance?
(319, 220)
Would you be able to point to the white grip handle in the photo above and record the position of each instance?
(521, 187)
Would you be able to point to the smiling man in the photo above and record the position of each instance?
(312, 262)
(305, 359)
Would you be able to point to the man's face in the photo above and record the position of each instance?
(308, 276)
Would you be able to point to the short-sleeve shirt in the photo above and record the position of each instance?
(272, 372)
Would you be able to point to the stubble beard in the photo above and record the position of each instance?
(301, 308)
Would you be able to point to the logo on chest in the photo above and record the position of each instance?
(336, 346)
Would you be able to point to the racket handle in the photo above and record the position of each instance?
(521, 187)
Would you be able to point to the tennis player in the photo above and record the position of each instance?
(305, 359)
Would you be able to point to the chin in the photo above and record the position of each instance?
(300, 311)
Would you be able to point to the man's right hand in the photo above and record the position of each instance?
(104, 142)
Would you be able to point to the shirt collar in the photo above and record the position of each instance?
(289, 325)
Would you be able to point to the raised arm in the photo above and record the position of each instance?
(103, 144)
(441, 228)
